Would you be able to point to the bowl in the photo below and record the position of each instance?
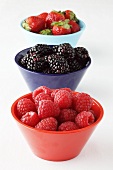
(34, 38)
(57, 145)
(34, 79)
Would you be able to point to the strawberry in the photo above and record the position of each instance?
(33, 24)
(54, 16)
(70, 15)
(74, 26)
(61, 28)
(43, 15)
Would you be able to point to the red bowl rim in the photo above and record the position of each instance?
(57, 132)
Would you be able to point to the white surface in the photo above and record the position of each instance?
(98, 82)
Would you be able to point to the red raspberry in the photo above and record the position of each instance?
(67, 89)
(54, 92)
(49, 123)
(25, 105)
(46, 109)
(41, 96)
(83, 102)
(63, 98)
(30, 118)
(66, 126)
(84, 118)
(67, 115)
(41, 89)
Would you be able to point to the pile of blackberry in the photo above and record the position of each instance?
(56, 59)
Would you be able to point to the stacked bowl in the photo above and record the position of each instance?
(54, 145)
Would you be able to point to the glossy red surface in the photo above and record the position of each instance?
(57, 146)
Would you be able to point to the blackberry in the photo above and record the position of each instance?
(64, 49)
(74, 65)
(42, 49)
(58, 64)
(82, 55)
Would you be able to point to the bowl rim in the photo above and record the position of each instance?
(82, 28)
(44, 74)
(57, 132)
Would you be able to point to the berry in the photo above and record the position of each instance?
(41, 89)
(54, 16)
(61, 28)
(49, 123)
(67, 126)
(83, 102)
(70, 15)
(25, 105)
(43, 15)
(82, 55)
(63, 98)
(67, 115)
(33, 24)
(30, 118)
(58, 64)
(41, 96)
(46, 108)
(84, 119)
(65, 50)
(74, 26)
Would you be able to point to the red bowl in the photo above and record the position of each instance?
(57, 145)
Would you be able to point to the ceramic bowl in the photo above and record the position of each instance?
(34, 38)
(34, 79)
(57, 145)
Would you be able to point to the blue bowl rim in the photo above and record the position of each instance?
(82, 26)
(21, 53)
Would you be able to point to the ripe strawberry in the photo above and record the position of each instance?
(30, 118)
(63, 99)
(74, 26)
(67, 115)
(49, 123)
(25, 105)
(43, 15)
(54, 16)
(83, 102)
(41, 89)
(70, 15)
(67, 126)
(33, 24)
(61, 28)
(47, 108)
(84, 118)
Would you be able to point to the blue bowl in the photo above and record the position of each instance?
(34, 79)
(34, 38)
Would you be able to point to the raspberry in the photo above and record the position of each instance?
(54, 92)
(25, 105)
(84, 119)
(30, 118)
(63, 98)
(67, 115)
(41, 96)
(46, 109)
(49, 123)
(83, 102)
(67, 126)
(41, 89)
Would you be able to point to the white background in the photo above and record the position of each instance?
(98, 82)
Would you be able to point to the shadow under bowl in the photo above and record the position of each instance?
(57, 145)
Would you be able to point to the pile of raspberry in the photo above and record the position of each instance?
(56, 109)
